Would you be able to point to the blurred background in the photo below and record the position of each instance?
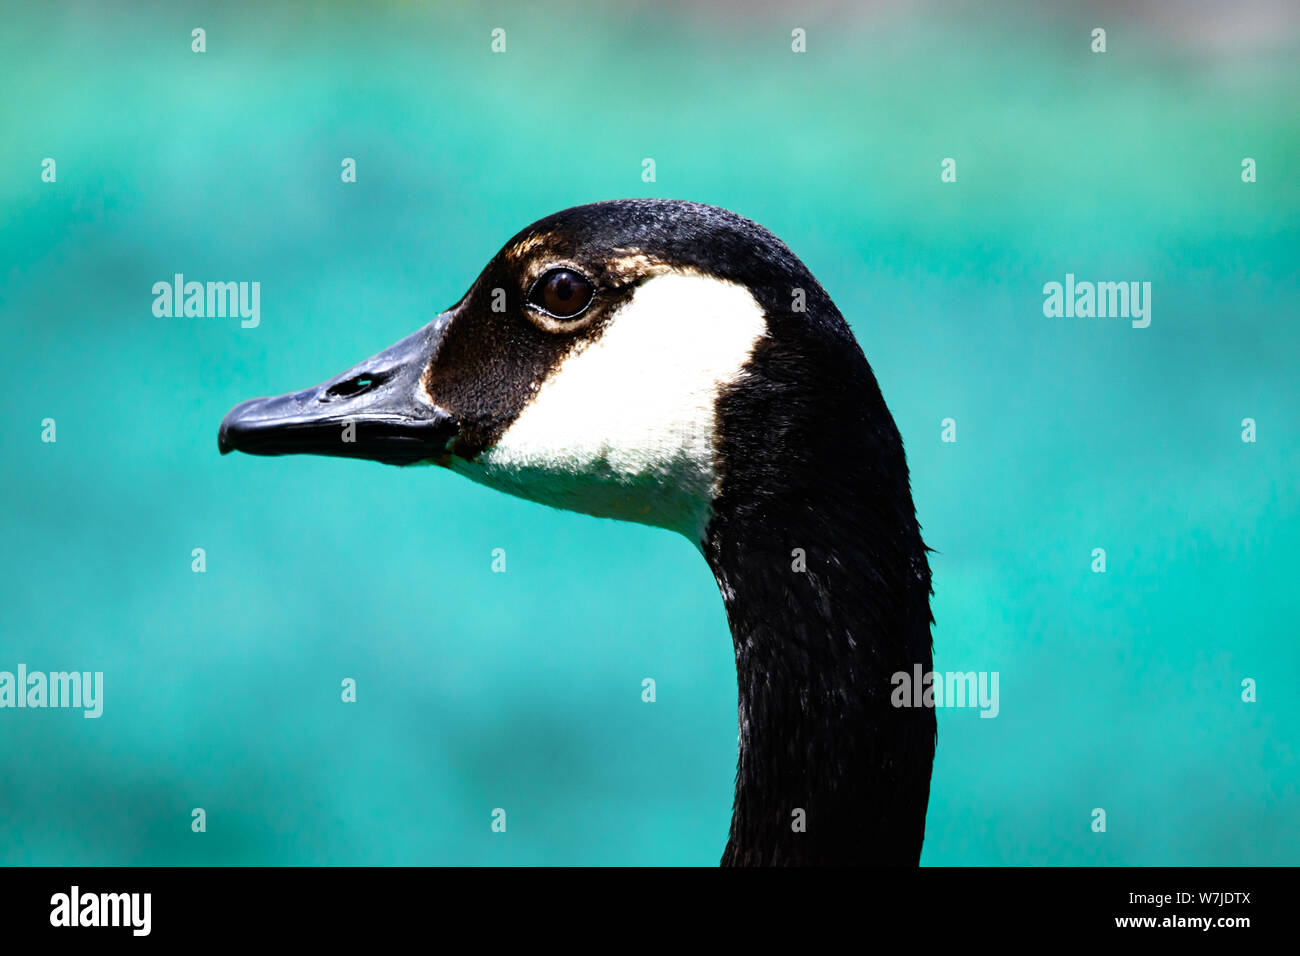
(522, 690)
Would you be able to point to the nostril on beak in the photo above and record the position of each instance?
(356, 385)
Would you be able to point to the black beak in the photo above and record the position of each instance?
(378, 410)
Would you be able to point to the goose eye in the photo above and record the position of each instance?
(562, 292)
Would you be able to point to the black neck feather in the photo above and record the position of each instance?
(815, 476)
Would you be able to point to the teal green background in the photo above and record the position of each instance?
(522, 690)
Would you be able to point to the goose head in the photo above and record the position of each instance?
(583, 369)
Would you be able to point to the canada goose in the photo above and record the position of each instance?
(675, 364)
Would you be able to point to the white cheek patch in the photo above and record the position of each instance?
(626, 427)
